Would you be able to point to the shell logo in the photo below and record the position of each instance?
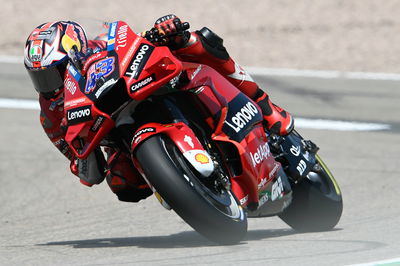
(201, 158)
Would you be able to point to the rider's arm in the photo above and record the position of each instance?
(204, 47)
(51, 115)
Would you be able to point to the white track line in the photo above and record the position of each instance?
(390, 262)
(299, 122)
(19, 104)
(279, 72)
(338, 125)
(286, 72)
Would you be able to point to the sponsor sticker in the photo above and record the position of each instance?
(244, 200)
(36, 53)
(122, 37)
(129, 53)
(189, 141)
(113, 29)
(139, 60)
(262, 183)
(93, 58)
(79, 115)
(196, 72)
(260, 155)
(277, 189)
(242, 117)
(106, 85)
(201, 158)
(97, 124)
(102, 68)
(301, 167)
(111, 36)
(73, 72)
(46, 34)
(274, 170)
(141, 132)
(295, 150)
(75, 102)
(142, 83)
(70, 85)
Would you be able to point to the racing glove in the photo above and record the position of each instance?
(173, 32)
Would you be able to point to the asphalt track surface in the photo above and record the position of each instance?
(48, 218)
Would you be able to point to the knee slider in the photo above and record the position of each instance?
(212, 43)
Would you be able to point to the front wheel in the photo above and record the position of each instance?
(212, 211)
(317, 202)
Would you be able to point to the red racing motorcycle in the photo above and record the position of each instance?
(196, 139)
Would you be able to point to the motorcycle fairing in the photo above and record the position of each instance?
(86, 88)
(184, 138)
(241, 126)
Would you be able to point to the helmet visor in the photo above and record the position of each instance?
(48, 79)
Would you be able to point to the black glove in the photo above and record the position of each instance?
(171, 31)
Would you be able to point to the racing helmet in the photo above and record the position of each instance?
(46, 53)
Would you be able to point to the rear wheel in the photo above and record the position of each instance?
(210, 209)
(317, 202)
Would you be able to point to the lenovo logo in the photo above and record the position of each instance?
(244, 116)
(79, 115)
(139, 60)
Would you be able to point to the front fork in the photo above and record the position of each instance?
(297, 155)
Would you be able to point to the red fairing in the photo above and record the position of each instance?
(179, 133)
(216, 93)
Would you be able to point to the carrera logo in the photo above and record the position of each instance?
(142, 83)
(79, 115)
(139, 60)
(243, 117)
(97, 124)
(262, 153)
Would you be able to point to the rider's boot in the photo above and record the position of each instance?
(124, 179)
(276, 120)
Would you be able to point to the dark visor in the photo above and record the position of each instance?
(48, 79)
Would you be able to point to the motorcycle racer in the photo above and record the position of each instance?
(47, 52)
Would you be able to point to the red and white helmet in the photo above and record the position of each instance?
(46, 53)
